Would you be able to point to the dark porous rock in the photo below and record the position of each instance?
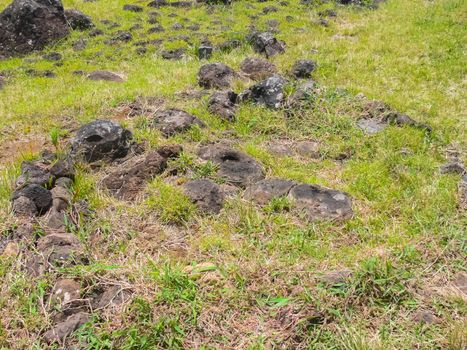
(264, 191)
(303, 68)
(455, 167)
(172, 121)
(319, 203)
(257, 68)
(269, 92)
(205, 51)
(229, 45)
(223, 104)
(121, 36)
(105, 76)
(401, 119)
(40, 196)
(63, 168)
(265, 43)
(426, 317)
(66, 328)
(205, 194)
(235, 167)
(60, 248)
(170, 151)
(127, 182)
(24, 206)
(371, 126)
(176, 54)
(35, 172)
(133, 8)
(101, 140)
(52, 56)
(78, 20)
(158, 3)
(215, 75)
(61, 198)
(28, 25)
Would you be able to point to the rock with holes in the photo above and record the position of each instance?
(215, 76)
(66, 327)
(206, 194)
(265, 43)
(264, 191)
(223, 104)
(319, 203)
(78, 20)
(31, 199)
(29, 25)
(172, 121)
(269, 92)
(101, 140)
(127, 182)
(257, 68)
(235, 167)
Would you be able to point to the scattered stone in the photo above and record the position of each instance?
(170, 151)
(101, 140)
(279, 149)
(427, 317)
(462, 189)
(172, 121)
(371, 126)
(205, 194)
(133, 8)
(25, 197)
(60, 248)
(215, 75)
(265, 43)
(455, 167)
(303, 68)
(29, 25)
(320, 203)
(235, 167)
(105, 76)
(78, 20)
(176, 54)
(65, 291)
(35, 172)
(229, 45)
(269, 92)
(65, 328)
(112, 296)
(264, 191)
(52, 56)
(205, 52)
(126, 182)
(258, 68)
(223, 104)
(308, 149)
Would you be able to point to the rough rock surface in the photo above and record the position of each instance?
(28, 25)
(78, 20)
(265, 43)
(223, 104)
(172, 121)
(319, 203)
(65, 328)
(126, 182)
(303, 68)
(265, 190)
(27, 198)
(235, 167)
(205, 194)
(269, 92)
(215, 75)
(65, 291)
(257, 68)
(101, 140)
(60, 248)
(105, 76)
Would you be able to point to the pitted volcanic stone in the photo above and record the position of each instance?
(266, 44)
(235, 167)
(172, 121)
(206, 194)
(40, 196)
(101, 140)
(78, 20)
(265, 190)
(35, 172)
(269, 92)
(223, 104)
(28, 25)
(321, 203)
(215, 75)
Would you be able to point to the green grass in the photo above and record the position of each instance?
(404, 245)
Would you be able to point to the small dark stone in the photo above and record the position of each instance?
(265, 43)
(269, 92)
(65, 328)
(78, 20)
(258, 68)
(39, 195)
(215, 75)
(303, 68)
(264, 191)
(105, 76)
(133, 8)
(172, 121)
(205, 194)
(205, 52)
(223, 104)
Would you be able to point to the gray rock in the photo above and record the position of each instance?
(78, 20)
(264, 191)
(303, 68)
(269, 92)
(205, 194)
(258, 68)
(172, 121)
(101, 140)
(235, 167)
(319, 203)
(265, 43)
(105, 76)
(66, 328)
(371, 126)
(215, 75)
(29, 25)
(223, 104)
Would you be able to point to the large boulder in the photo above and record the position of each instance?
(28, 25)
(101, 140)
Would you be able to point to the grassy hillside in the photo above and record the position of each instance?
(252, 277)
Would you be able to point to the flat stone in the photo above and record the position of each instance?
(319, 203)
(105, 76)
(264, 191)
(371, 126)
(172, 121)
(205, 194)
(66, 328)
(65, 291)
